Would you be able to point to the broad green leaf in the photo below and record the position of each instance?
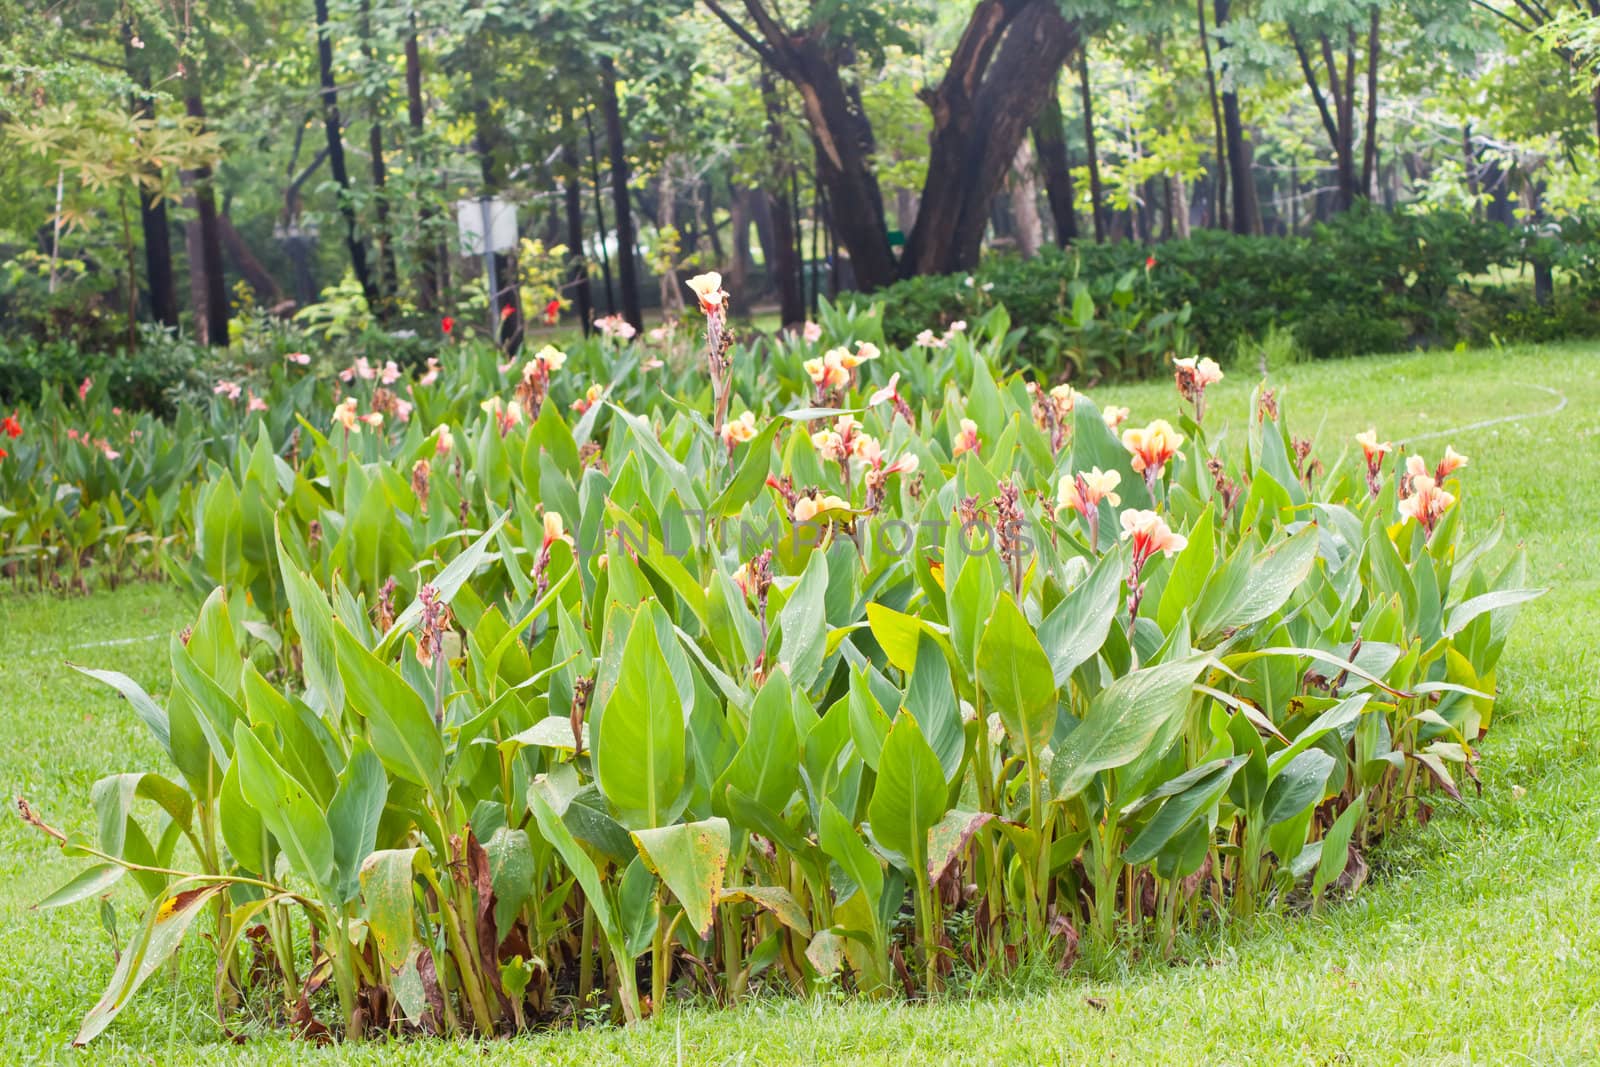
(692, 859)
(354, 814)
(1124, 719)
(1077, 627)
(1015, 673)
(287, 809)
(639, 754)
(403, 732)
(909, 798)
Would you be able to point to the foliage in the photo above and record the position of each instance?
(1366, 282)
(504, 697)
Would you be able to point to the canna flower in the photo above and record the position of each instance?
(708, 288)
(742, 579)
(1114, 416)
(84, 387)
(402, 409)
(1083, 492)
(929, 339)
(967, 440)
(589, 399)
(1151, 448)
(1193, 376)
(431, 374)
(811, 332)
(615, 326)
(660, 335)
(255, 403)
(649, 364)
(373, 419)
(1374, 451)
(867, 449)
(865, 352)
(1150, 534)
(1452, 462)
(551, 356)
(555, 529)
(345, 415)
(10, 426)
(1427, 503)
(737, 431)
(552, 312)
(390, 373)
(829, 445)
(301, 359)
(230, 390)
(829, 372)
(807, 508)
(444, 441)
(448, 325)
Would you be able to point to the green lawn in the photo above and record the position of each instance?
(1477, 940)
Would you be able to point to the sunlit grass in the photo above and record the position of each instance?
(1475, 941)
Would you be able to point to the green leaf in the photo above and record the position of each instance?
(287, 809)
(1014, 671)
(169, 919)
(909, 798)
(1077, 627)
(692, 859)
(639, 755)
(403, 732)
(803, 623)
(766, 766)
(386, 888)
(313, 620)
(354, 814)
(1297, 786)
(1122, 722)
(512, 871)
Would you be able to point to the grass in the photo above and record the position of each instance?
(1475, 941)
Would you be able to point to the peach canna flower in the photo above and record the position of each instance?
(1083, 491)
(1427, 503)
(807, 508)
(708, 288)
(737, 431)
(967, 440)
(1452, 462)
(1150, 534)
(444, 441)
(345, 415)
(1151, 447)
(1114, 416)
(555, 529)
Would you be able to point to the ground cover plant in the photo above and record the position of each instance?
(472, 733)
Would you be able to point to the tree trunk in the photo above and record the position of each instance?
(1246, 207)
(430, 253)
(783, 253)
(1023, 186)
(1220, 193)
(1178, 205)
(506, 300)
(1096, 197)
(578, 265)
(211, 313)
(268, 293)
(388, 281)
(334, 127)
(152, 206)
(627, 266)
(1369, 152)
(666, 222)
(738, 272)
(1000, 75)
(600, 213)
(1050, 142)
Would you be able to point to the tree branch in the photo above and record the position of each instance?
(1316, 90)
(766, 54)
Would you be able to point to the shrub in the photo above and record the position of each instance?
(1368, 281)
(562, 681)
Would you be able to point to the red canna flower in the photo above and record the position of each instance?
(506, 312)
(10, 426)
(447, 324)
(552, 312)
(1149, 262)
(4, 453)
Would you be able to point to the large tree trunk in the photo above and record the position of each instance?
(738, 272)
(1050, 142)
(578, 265)
(336, 163)
(1000, 75)
(1369, 152)
(1096, 196)
(667, 220)
(783, 251)
(1220, 193)
(627, 266)
(430, 254)
(1023, 185)
(388, 281)
(211, 310)
(152, 206)
(1246, 207)
(268, 293)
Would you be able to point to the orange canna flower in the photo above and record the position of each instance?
(1152, 446)
(967, 440)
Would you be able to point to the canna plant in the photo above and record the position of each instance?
(575, 692)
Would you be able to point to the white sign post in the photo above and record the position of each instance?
(487, 226)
